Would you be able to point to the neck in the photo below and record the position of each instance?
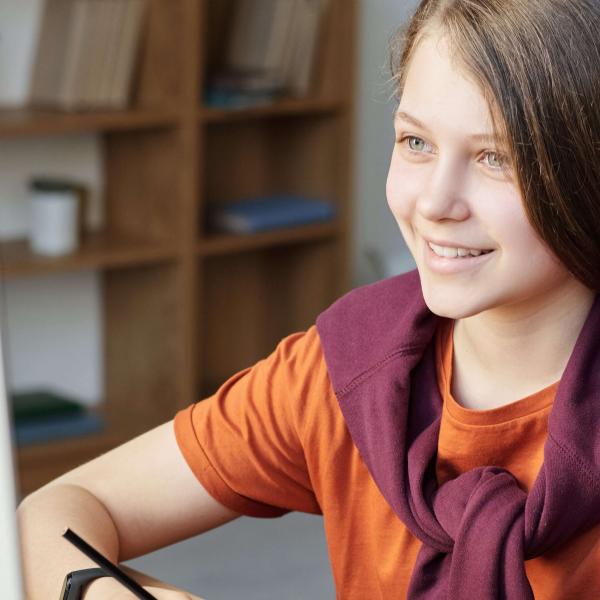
(503, 355)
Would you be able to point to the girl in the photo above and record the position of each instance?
(444, 422)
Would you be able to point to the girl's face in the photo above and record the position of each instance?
(452, 193)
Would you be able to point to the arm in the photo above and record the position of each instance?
(128, 502)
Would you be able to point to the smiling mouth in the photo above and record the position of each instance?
(448, 252)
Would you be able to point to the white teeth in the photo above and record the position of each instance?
(447, 252)
(450, 252)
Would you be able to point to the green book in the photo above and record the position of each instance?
(42, 405)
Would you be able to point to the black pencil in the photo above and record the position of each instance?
(107, 566)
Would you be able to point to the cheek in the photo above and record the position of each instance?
(514, 233)
(512, 226)
(402, 190)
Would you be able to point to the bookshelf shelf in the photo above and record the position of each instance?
(215, 244)
(35, 122)
(282, 108)
(184, 308)
(97, 251)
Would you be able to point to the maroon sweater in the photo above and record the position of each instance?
(478, 529)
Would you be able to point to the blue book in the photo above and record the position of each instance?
(59, 427)
(268, 213)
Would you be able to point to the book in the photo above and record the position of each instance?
(271, 43)
(257, 40)
(86, 54)
(51, 51)
(37, 405)
(301, 66)
(134, 18)
(59, 427)
(42, 415)
(99, 41)
(73, 71)
(277, 38)
(249, 34)
(268, 213)
(116, 10)
(291, 42)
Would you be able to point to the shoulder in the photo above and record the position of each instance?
(393, 296)
(371, 323)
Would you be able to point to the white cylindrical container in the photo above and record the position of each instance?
(54, 220)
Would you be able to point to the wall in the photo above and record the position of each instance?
(375, 229)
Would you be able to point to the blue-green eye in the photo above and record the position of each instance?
(417, 144)
(496, 160)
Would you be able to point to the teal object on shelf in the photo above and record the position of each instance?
(41, 415)
(269, 213)
(57, 428)
(42, 404)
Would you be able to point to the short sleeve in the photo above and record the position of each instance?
(245, 443)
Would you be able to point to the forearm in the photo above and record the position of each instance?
(47, 556)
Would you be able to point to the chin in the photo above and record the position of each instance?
(452, 306)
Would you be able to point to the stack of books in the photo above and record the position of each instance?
(86, 54)
(270, 51)
(254, 215)
(42, 416)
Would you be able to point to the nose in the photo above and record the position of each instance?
(445, 195)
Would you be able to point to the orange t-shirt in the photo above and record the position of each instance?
(272, 439)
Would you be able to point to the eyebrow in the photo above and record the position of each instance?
(476, 137)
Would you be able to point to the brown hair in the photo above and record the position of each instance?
(538, 64)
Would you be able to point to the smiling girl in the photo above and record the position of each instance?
(445, 422)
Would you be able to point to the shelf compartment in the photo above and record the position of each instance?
(97, 251)
(221, 244)
(37, 122)
(145, 330)
(266, 294)
(293, 155)
(283, 108)
(334, 53)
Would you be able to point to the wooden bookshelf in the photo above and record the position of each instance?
(215, 245)
(281, 108)
(97, 251)
(33, 122)
(183, 307)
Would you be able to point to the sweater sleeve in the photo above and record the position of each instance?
(245, 443)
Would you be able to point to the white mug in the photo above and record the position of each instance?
(54, 222)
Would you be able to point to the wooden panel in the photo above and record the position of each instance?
(143, 346)
(144, 184)
(336, 59)
(36, 122)
(252, 300)
(281, 108)
(162, 61)
(229, 244)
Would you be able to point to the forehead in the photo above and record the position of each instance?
(440, 94)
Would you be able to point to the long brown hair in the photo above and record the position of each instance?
(538, 65)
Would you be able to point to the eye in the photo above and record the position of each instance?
(416, 144)
(496, 161)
